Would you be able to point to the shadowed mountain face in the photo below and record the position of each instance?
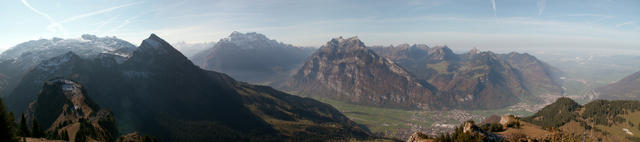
(483, 77)
(18, 60)
(625, 89)
(160, 92)
(3, 83)
(63, 108)
(252, 57)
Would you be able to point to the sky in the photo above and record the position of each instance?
(498, 25)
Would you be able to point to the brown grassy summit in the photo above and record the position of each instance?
(564, 120)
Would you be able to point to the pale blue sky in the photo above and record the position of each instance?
(500, 25)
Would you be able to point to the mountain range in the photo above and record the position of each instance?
(158, 91)
(252, 57)
(513, 76)
(155, 89)
(418, 76)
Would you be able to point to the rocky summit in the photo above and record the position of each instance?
(66, 112)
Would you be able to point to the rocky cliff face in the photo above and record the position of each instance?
(64, 108)
(252, 57)
(344, 69)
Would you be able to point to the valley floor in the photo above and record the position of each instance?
(400, 123)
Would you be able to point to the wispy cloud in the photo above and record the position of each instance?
(493, 3)
(541, 4)
(54, 27)
(103, 23)
(125, 23)
(625, 23)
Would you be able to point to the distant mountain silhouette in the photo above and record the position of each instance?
(252, 57)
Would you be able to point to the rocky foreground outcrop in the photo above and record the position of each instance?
(65, 110)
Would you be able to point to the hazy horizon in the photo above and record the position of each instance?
(501, 26)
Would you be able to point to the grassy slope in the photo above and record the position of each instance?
(616, 129)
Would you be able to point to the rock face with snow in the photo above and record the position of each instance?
(18, 60)
(252, 57)
(158, 91)
(64, 110)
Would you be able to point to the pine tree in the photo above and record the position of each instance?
(447, 137)
(64, 135)
(7, 125)
(24, 128)
(37, 129)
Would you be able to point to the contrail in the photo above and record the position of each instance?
(96, 12)
(541, 4)
(53, 22)
(95, 31)
(493, 3)
(126, 22)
